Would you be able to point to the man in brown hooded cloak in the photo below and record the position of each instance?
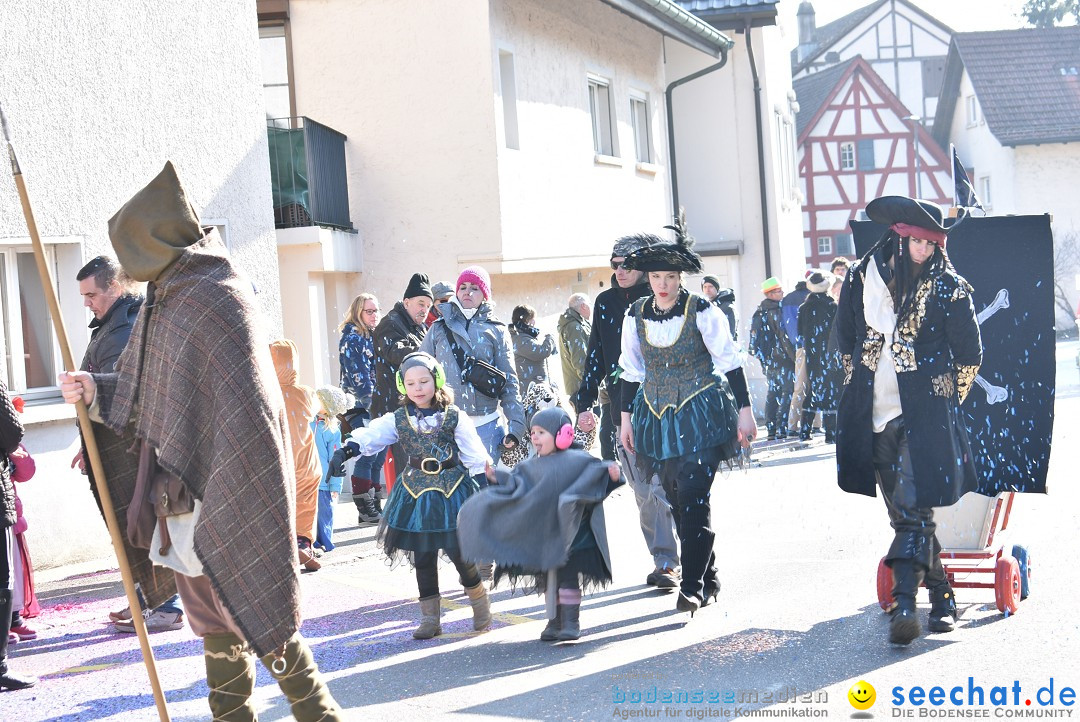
(196, 389)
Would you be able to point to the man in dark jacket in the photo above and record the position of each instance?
(601, 361)
(724, 299)
(769, 342)
(105, 289)
(399, 334)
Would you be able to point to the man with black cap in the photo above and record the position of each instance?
(910, 346)
(724, 299)
(399, 334)
(196, 400)
(602, 359)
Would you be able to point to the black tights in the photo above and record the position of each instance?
(427, 571)
(688, 483)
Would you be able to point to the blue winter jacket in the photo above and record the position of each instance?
(356, 354)
(327, 441)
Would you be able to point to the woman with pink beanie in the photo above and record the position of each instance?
(468, 341)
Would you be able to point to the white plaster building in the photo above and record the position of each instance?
(526, 136)
(1011, 106)
(98, 98)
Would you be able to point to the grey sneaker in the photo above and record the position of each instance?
(665, 578)
(156, 621)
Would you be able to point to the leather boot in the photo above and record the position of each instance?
(481, 606)
(551, 631)
(8, 679)
(828, 420)
(571, 624)
(904, 626)
(430, 614)
(230, 675)
(807, 427)
(298, 677)
(943, 612)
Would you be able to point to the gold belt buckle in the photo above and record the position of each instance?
(433, 460)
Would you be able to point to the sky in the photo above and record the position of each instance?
(960, 15)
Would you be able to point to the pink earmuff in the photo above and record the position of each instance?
(565, 437)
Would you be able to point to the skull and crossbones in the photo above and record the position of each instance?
(994, 394)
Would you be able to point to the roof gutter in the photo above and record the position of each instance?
(689, 21)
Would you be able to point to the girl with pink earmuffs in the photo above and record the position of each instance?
(543, 522)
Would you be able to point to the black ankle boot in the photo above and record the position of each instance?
(943, 612)
(571, 624)
(904, 626)
(9, 680)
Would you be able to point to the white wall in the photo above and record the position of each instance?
(413, 93)
(98, 97)
(556, 201)
(717, 159)
(982, 154)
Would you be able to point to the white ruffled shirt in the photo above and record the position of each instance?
(880, 315)
(382, 432)
(712, 323)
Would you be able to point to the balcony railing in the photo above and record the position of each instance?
(307, 172)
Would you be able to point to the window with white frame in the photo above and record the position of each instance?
(508, 89)
(985, 197)
(639, 117)
(273, 49)
(847, 156)
(31, 353)
(786, 152)
(824, 245)
(972, 110)
(603, 118)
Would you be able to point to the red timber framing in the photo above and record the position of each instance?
(861, 110)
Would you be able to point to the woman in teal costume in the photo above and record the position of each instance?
(686, 407)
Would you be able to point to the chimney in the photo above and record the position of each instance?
(807, 26)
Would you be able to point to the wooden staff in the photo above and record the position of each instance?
(87, 431)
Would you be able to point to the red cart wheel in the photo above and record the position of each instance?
(1007, 584)
(885, 586)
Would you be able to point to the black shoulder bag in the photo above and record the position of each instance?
(485, 378)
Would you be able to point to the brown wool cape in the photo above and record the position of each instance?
(205, 396)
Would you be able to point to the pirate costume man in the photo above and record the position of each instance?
(195, 395)
(910, 346)
(686, 398)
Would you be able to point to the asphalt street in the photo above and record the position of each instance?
(796, 625)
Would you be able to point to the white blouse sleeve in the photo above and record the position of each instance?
(631, 361)
(471, 450)
(376, 436)
(716, 333)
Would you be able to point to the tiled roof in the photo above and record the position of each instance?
(709, 5)
(733, 13)
(814, 90)
(1027, 82)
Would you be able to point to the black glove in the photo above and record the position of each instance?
(337, 461)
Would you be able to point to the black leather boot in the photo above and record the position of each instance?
(8, 679)
(551, 631)
(943, 612)
(904, 626)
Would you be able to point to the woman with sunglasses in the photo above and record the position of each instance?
(690, 409)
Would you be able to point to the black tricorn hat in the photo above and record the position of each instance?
(677, 256)
(888, 210)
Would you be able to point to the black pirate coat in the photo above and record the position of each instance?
(938, 350)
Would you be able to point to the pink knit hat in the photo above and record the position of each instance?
(477, 275)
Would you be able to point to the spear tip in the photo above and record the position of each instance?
(4, 124)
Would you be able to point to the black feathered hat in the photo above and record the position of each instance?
(677, 256)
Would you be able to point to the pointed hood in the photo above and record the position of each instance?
(284, 354)
(153, 229)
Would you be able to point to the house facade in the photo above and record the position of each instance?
(857, 142)
(1010, 105)
(904, 45)
(95, 110)
(521, 135)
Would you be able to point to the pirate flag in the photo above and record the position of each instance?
(965, 192)
(1010, 411)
